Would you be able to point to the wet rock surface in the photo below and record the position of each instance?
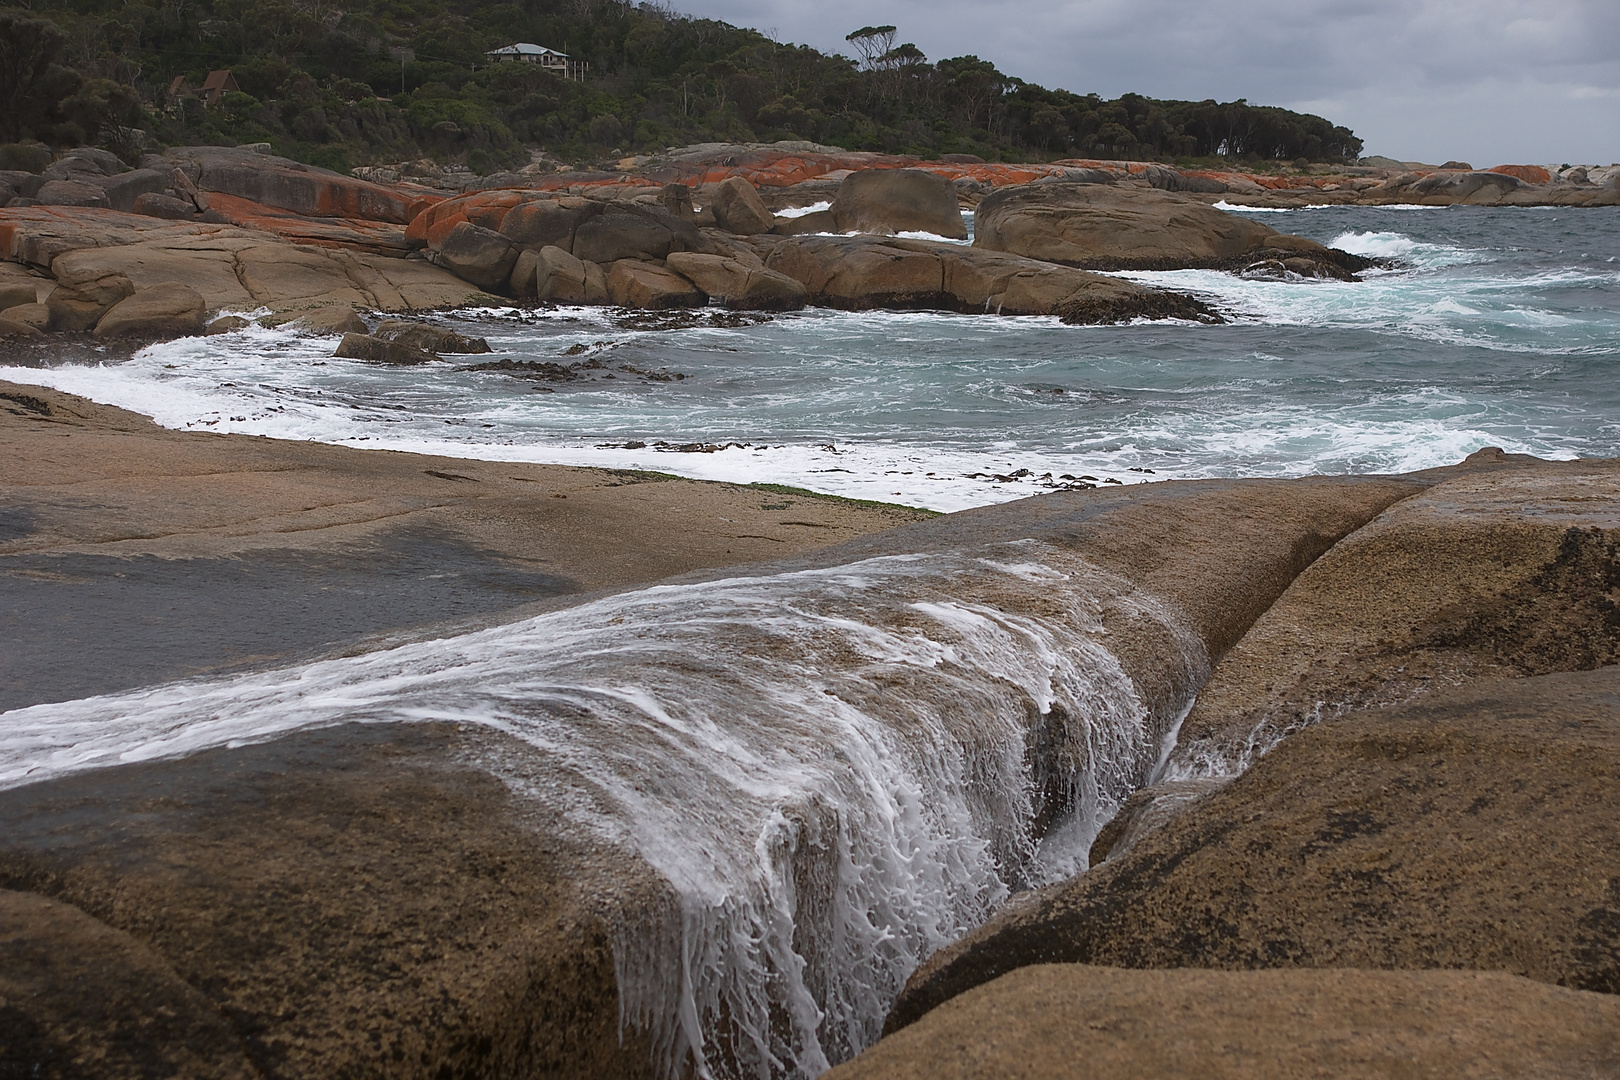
(1510, 570)
(1384, 839)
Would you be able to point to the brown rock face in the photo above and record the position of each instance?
(13, 330)
(861, 272)
(337, 319)
(635, 284)
(71, 193)
(290, 185)
(1090, 1023)
(79, 306)
(1472, 830)
(1510, 569)
(167, 310)
(337, 899)
(429, 338)
(14, 293)
(479, 255)
(898, 200)
(1113, 227)
(164, 206)
(228, 265)
(547, 222)
(738, 208)
(560, 277)
(737, 284)
(79, 998)
(36, 315)
(611, 237)
(377, 350)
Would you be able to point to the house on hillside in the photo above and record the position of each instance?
(524, 52)
(217, 85)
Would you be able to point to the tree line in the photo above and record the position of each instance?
(348, 82)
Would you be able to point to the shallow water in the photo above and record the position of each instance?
(1501, 328)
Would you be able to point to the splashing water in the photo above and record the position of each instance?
(838, 771)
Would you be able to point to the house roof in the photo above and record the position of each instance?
(524, 48)
(218, 80)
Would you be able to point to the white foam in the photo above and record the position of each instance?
(801, 211)
(863, 732)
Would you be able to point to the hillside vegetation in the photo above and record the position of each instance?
(348, 82)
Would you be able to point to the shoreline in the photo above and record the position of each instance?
(154, 554)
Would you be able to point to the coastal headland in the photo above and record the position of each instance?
(89, 246)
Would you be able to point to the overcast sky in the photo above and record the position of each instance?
(1484, 81)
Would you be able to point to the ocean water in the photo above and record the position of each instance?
(1496, 326)
(840, 770)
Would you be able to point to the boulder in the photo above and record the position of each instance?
(226, 324)
(1529, 174)
(1457, 166)
(79, 306)
(560, 277)
(167, 310)
(91, 159)
(1472, 829)
(677, 199)
(737, 284)
(817, 221)
(862, 272)
(125, 188)
(326, 321)
(7, 193)
(898, 200)
(547, 222)
(376, 350)
(1114, 227)
(615, 236)
(290, 185)
(159, 205)
(1492, 573)
(13, 293)
(521, 282)
(11, 330)
(1086, 1023)
(36, 315)
(738, 208)
(71, 193)
(429, 338)
(1472, 187)
(635, 284)
(479, 255)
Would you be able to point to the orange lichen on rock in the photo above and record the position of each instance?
(1530, 174)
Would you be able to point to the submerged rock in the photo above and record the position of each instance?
(378, 350)
(429, 338)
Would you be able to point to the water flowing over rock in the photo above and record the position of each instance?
(752, 803)
(1386, 839)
